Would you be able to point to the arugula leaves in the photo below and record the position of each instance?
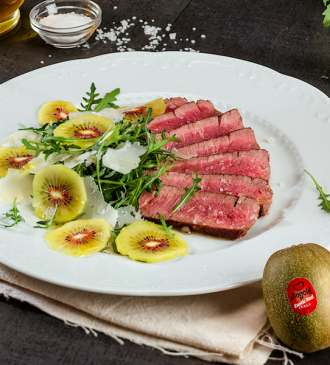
(126, 189)
(107, 101)
(118, 189)
(101, 103)
(166, 228)
(50, 144)
(325, 204)
(326, 13)
(189, 192)
(12, 214)
(92, 100)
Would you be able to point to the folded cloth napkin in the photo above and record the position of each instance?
(221, 327)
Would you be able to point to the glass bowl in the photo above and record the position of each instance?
(65, 23)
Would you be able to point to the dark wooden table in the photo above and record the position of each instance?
(285, 35)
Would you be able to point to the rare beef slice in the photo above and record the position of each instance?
(237, 185)
(239, 140)
(186, 113)
(205, 129)
(215, 214)
(253, 163)
(173, 103)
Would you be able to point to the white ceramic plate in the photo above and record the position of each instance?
(291, 119)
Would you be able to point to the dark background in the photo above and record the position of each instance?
(287, 36)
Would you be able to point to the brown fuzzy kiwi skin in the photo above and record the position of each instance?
(305, 333)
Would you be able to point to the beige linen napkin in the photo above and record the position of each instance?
(221, 327)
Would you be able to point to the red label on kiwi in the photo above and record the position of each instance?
(301, 296)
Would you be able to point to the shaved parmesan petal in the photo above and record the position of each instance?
(16, 185)
(184, 156)
(75, 160)
(125, 157)
(15, 139)
(128, 215)
(110, 113)
(38, 163)
(96, 206)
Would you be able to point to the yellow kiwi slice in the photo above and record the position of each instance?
(57, 185)
(79, 238)
(53, 111)
(132, 114)
(84, 128)
(145, 241)
(14, 158)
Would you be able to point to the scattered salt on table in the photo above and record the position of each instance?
(120, 35)
(67, 20)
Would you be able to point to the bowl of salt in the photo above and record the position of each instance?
(65, 23)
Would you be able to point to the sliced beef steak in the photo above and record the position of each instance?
(219, 215)
(242, 139)
(206, 109)
(184, 114)
(237, 185)
(254, 163)
(205, 129)
(174, 103)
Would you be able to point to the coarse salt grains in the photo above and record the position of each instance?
(67, 34)
(67, 20)
(65, 24)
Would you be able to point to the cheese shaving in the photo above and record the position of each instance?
(125, 157)
(96, 206)
(75, 160)
(38, 163)
(128, 215)
(17, 185)
(15, 139)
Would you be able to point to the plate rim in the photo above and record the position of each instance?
(325, 98)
